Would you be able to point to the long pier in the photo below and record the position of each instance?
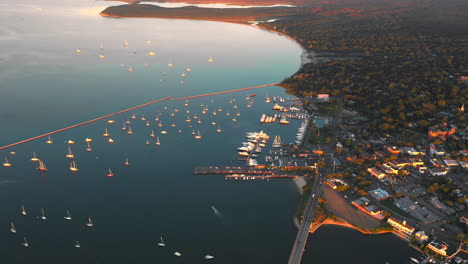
(83, 123)
(244, 173)
(230, 91)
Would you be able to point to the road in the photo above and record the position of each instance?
(309, 214)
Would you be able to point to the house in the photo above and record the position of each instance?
(439, 248)
(421, 237)
(379, 194)
(450, 163)
(376, 172)
(438, 171)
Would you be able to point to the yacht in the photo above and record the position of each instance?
(70, 154)
(164, 132)
(42, 166)
(88, 140)
(12, 228)
(101, 56)
(34, 158)
(77, 244)
(129, 130)
(68, 217)
(90, 222)
(127, 163)
(71, 142)
(110, 140)
(110, 173)
(209, 257)
(161, 243)
(157, 141)
(178, 254)
(23, 211)
(49, 141)
(6, 163)
(152, 54)
(277, 107)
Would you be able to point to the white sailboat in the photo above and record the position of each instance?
(34, 158)
(101, 46)
(126, 43)
(127, 163)
(77, 244)
(129, 130)
(161, 243)
(152, 134)
(106, 133)
(49, 140)
(209, 257)
(6, 163)
(68, 217)
(177, 254)
(124, 127)
(147, 142)
(90, 222)
(110, 173)
(70, 154)
(25, 243)
(198, 136)
(157, 141)
(12, 228)
(219, 129)
(89, 149)
(23, 211)
(42, 166)
(73, 166)
(43, 217)
(210, 59)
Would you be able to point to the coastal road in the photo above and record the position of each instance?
(309, 214)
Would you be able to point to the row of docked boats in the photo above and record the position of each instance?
(254, 144)
(301, 132)
(273, 118)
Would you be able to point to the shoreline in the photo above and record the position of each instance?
(343, 223)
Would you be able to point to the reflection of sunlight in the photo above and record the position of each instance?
(91, 11)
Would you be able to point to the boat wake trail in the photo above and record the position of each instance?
(3, 182)
(217, 212)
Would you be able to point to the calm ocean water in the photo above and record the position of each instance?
(47, 85)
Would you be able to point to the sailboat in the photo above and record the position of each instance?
(124, 127)
(147, 142)
(219, 129)
(161, 243)
(130, 69)
(25, 243)
(88, 140)
(43, 217)
(6, 163)
(73, 166)
(227, 113)
(89, 149)
(110, 173)
(210, 59)
(129, 130)
(68, 217)
(198, 136)
(70, 154)
(127, 163)
(143, 118)
(209, 257)
(101, 46)
(110, 140)
(238, 113)
(23, 211)
(160, 123)
(188, 119)
(77, 244)
(106, 133)
(34, 158)
(157, 141)
(147, 123)
(126, 43)
(90, 222)
(12, 228)
(42, 166)
(193, 132)
(49, 141)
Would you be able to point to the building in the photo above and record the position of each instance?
(401, 226)
(450, 163)
(379, 194)
(323, 97)
(376, 172)
(421, 237)
(439, 205)
(438, 171)
(439, 248)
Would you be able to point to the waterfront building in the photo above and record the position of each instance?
(376, 172)
(439, 248)
(401, 226)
